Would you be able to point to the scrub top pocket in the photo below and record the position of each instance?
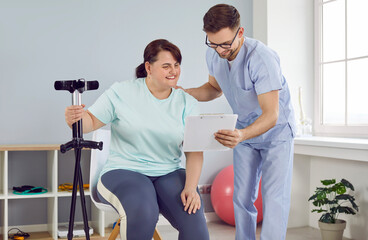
(247, 103)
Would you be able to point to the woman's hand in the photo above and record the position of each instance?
(191, 200)
(74, 113)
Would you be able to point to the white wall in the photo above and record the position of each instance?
(299, 207)
(287, 27)
(43, 41)
(260, 20)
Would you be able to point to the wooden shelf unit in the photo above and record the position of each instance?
(53, 195)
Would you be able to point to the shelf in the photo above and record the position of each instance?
(346, 143)
(69, 194)
(3, 176)
(41, 165)
(11, 195)
(39, 235)
(33, 147)
(351, 149)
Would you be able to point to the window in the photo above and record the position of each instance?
(341, 43)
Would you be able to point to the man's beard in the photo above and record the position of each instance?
(230, 54)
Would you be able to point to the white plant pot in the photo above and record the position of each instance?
(332, 231)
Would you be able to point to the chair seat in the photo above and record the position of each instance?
(104, 207)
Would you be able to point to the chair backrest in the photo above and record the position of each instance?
(98, 160)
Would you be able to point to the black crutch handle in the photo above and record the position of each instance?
(92, 144)
(66, 147)
(71, 85)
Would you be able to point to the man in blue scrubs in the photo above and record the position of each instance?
(249, 74)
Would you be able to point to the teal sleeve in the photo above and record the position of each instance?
(103, 109)
(191, 107)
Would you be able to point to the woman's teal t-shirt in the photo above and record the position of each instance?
(146, 132)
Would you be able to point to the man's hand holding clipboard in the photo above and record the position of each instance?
(229, 138)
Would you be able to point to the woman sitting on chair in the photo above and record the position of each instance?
(142, 176)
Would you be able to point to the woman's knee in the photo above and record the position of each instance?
(141, 222)
(144, 213)
(198, 232)
(194, 228)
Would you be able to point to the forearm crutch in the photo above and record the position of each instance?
(76, 88)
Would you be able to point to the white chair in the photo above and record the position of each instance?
(98, 160)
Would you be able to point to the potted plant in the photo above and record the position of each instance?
(329, 200)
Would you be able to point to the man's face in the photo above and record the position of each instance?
(226, 36)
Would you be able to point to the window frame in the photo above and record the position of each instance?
(359, 131)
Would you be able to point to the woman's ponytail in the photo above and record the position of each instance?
(140, 71)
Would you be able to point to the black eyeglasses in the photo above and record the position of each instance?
(224, 46)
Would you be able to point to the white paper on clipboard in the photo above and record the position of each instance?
(199, 131)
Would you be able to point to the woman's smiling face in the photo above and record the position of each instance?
(165, 71)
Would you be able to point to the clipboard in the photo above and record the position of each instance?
(199, 131)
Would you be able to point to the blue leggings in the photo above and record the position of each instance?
(139, 199)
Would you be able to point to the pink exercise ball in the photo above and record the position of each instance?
(222, 196)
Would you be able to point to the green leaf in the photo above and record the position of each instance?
(347, 210)
(334, 210)
(331, 202)
(352, 201)
(350, 198)
(354, 205)
(344, 197)
(328, 182)
(320, 202)
(317, 203)
(327, 218)
(341, 189)
(321, 195)
(319, 210)
(347, 184)
(312, 197)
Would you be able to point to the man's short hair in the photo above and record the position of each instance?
(221, 16)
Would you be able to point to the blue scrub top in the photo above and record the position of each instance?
(255, 70)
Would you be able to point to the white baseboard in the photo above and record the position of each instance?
(211, 217)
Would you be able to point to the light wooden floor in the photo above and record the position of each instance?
(218, 231)
(223, 231)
